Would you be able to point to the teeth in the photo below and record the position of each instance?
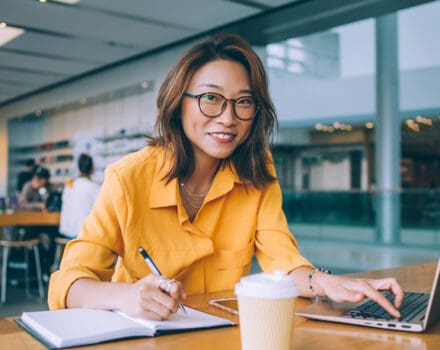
(222, 136)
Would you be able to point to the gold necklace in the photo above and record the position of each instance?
(189, 193)
(191, 205)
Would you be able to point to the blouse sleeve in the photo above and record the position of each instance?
(276, 247)
(93, 253)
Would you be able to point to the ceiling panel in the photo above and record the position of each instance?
(4, 96)
(11, 87)
(67, 48)
(189, 14)
(30, 77)
(83, 22)
(63, 41)
(274, 3)
(44, 63)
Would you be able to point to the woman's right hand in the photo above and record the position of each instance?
(147, 298)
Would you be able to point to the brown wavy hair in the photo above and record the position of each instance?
(251, 159)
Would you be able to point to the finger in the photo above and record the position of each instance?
(394, 286)
(153, 306)
(153, 312)
(167, 301)
(159, 297)
(398, 297)
(397, 291)
(169, 286)
(148, 307)
(176, 291)
(380, 299)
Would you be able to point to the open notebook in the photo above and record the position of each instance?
(419, 311)
(74, 327)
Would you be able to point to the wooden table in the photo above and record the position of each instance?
(307, 334)
(34, 218)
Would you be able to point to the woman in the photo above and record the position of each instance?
(78, 198)
(201, 199)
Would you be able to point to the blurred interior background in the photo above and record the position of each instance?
(355, 84)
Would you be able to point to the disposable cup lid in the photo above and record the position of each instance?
(276, 285)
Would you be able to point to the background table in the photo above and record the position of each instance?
(25, 218)
(307, 334)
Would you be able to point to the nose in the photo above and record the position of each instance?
(228, 115)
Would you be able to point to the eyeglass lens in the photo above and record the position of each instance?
(212, 105)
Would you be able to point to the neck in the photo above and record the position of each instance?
(200, 180)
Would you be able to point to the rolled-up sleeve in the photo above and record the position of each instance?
(276, 247)
(93, 253)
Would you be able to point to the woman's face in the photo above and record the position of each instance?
(216, 138)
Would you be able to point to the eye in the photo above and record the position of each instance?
(246, 101)
(210, 97)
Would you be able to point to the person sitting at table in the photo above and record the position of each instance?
(78, 198)
(25, 175)
(201, 199)
(36, 191)
(33, 197)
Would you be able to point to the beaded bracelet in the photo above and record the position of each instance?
(311, 273)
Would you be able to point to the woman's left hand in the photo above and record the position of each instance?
(354, 290)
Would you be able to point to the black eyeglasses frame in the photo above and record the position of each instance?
(232, 100)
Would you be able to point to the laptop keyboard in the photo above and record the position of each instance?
(412, 304)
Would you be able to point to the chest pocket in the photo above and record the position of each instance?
(229, 259)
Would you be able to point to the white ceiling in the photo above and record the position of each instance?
(63, 41)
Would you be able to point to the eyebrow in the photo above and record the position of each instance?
(220, 88)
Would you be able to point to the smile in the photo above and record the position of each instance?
(222, 136)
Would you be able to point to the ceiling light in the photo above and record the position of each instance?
(369, 125)
(8, 33)
(69, 2)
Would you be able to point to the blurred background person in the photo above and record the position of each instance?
(35, 192)
(78, 198)
(34, 197)
(25, 175)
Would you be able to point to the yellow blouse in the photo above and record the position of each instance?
(135, 208)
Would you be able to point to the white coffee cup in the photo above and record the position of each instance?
(266, 304)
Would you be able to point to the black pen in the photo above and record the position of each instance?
(155, 269)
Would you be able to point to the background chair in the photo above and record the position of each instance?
(60, 243)
(27, 244)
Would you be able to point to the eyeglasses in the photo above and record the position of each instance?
(212, 105)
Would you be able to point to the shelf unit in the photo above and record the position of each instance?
(119, 144)
(56, 156)
(59, 156)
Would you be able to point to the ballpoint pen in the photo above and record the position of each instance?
(155, 269)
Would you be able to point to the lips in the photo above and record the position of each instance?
(222, 137)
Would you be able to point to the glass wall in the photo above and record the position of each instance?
(324, 88)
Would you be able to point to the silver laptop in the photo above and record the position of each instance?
(419, 311)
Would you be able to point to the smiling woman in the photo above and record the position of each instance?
(213, 128)
(201, 199)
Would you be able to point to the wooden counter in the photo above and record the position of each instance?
(24, 218)
(307, 334)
